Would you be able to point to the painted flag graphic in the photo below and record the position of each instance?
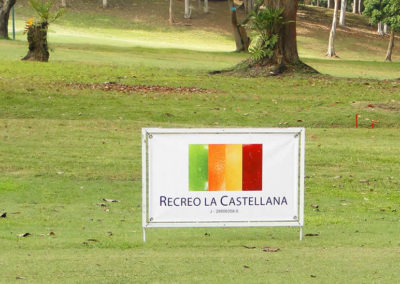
(225, 167)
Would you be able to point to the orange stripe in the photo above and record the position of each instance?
(233, 167)
(216, 167)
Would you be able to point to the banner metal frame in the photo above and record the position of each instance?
(147, 133)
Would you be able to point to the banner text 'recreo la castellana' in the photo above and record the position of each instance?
(225, 200)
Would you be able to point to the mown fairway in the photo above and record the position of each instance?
(68, 140)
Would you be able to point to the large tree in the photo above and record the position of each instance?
(331, 45)
(239, 32)
(285, 50)
(286, 47)
(239, 27)
(37, 30)
(274, 48)
(360, 6)
(342, 17)
(5, 8)
(355, 6)
(387, 12)
(171, 12)
(375, 10)
(392, 20)
(206, 8)
(380, 29)
(248, 5)
(188, 11)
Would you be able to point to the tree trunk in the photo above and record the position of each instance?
(355, 6)
(328, 4)
(206, 9)
(385, 28)
(286, 48)
(360, 6)
(171, 12)
(318, 3)
(390, 47)
(342, 20)
(63, 3)
(331, 46)
(246, 6)
(285, 57)
(380, 31)
(188, 12)
(251, 4)
(5, 8)
(241, 39)
(105, 4)
(37, 39)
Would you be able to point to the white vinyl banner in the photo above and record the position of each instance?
(223, 177)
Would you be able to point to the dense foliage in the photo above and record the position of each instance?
(393, 14)
(44, 10)
(266, 23)
(385, 11)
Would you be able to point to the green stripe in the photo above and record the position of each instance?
(198, 167)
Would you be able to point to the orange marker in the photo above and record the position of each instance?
(356, 120)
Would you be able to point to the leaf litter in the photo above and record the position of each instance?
(312, 235)
(264, 248)
(110, 200)
(125, 88)
(270, 249)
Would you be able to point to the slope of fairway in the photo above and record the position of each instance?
(111, 37)
(67, 144)
(144, 23)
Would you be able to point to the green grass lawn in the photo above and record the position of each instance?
(65, 144)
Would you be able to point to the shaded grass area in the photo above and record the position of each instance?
(134, 56)
(356, 68)
(172, 58)
(144, 23)
(114, 37)
(356, 41)
(150, 15)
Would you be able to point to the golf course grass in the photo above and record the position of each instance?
(68, 140)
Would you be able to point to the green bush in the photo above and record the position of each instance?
(266, 23)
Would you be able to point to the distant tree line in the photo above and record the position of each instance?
(384, 13)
